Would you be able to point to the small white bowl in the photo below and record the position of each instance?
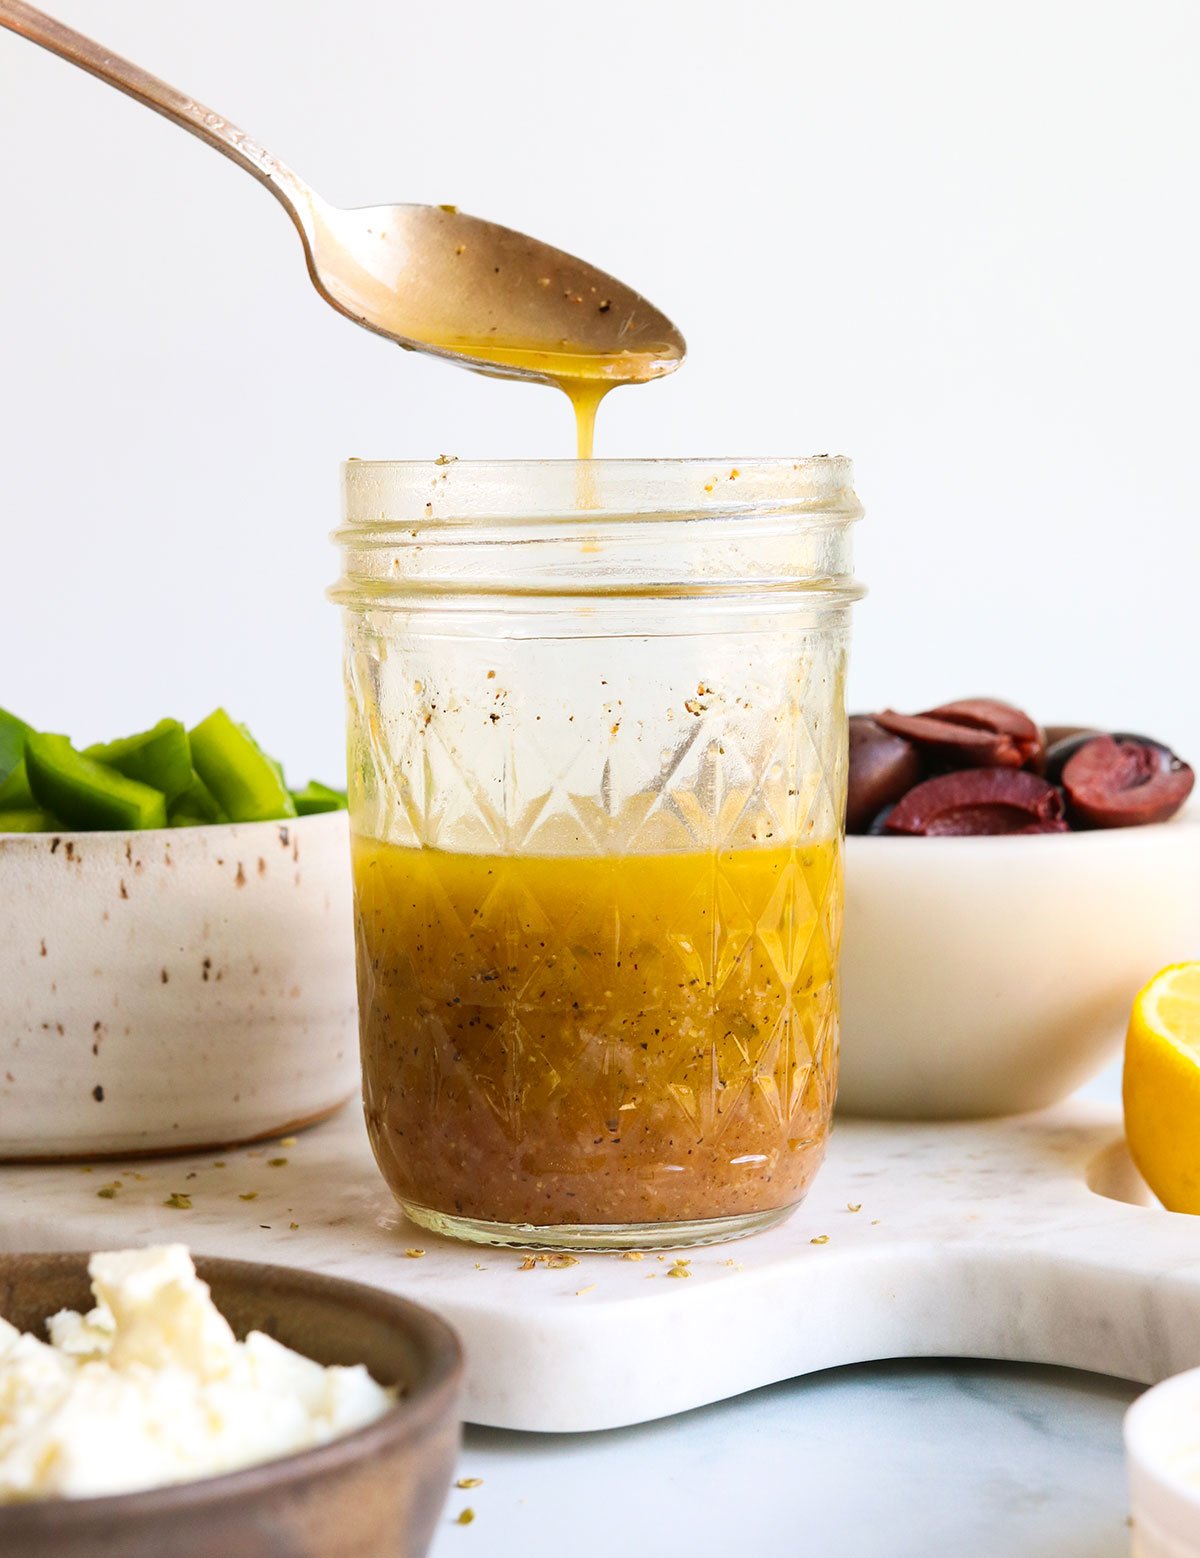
(987, 976)
(175, 989)
(1162, 1450)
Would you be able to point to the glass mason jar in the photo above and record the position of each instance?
(597, 757)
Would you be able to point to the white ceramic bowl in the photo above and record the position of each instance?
(1162, 1449)
(985, 976)
(174, 989)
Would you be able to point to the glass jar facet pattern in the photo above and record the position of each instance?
(597, 753)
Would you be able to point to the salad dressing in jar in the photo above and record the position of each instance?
(597, 778)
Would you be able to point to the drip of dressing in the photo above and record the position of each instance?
(585, 377)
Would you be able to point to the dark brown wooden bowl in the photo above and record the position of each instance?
(376, 1493)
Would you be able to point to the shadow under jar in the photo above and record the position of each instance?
(597, 754)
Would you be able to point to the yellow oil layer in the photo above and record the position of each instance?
(598, 1040)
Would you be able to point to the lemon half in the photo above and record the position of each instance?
(1162, 1086)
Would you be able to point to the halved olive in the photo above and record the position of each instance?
(1125, 781)
(971, 733)
(979, 801)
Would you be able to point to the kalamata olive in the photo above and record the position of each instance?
(1004, 719)
(1062, 751)
(878, 825)
(971, 733)
(979, 801)
(882, 767)
(1124, 781)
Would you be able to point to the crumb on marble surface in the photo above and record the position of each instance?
(555, 1262)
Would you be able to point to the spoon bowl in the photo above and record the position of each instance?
(434, 279)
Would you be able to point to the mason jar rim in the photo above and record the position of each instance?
(453, 490)
(616, 528)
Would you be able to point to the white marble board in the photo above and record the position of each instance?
(1015, 1239)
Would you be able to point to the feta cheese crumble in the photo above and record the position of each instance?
(152, 1387)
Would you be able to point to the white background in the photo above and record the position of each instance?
(958, 242)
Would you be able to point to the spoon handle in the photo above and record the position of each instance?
(184, 111)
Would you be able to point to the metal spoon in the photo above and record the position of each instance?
(429, 278)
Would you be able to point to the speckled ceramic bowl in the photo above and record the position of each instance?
(985, 976)
(375, 1493)
(171, 990)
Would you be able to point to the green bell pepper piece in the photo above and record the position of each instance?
(245, 782)
(15, 793)
(87, 794)
(160, 758)
(13, 732)
(196, 807)
(317, 797)
(29, 819)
